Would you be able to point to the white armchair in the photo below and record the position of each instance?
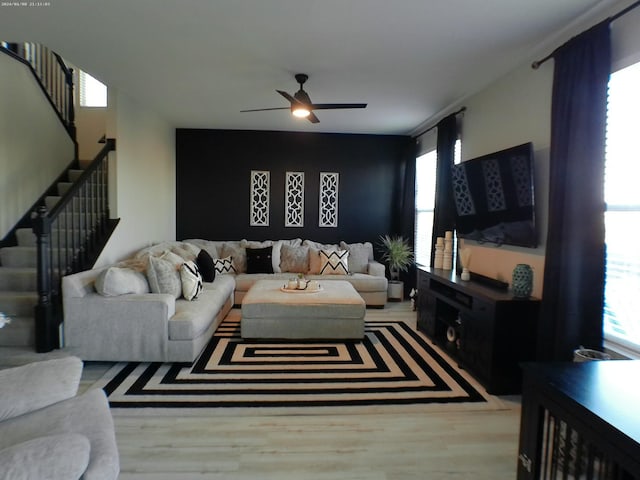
(46, 431)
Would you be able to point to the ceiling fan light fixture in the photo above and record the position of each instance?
(300, 112)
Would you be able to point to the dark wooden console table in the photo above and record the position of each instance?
(486, 330)
(580, 420)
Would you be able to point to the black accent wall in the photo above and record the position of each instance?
(213, 170)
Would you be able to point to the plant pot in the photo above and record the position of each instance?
(395, 290)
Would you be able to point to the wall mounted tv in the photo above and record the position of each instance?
(494, 198)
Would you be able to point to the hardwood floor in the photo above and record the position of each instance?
(460, 445)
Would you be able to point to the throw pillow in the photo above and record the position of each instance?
(224, 266)
(115, 281)
(315, 261)
(294, 259)
(359, 256)
(206, 266)
(191, 280)
(163, 277)
(174, 258)
(334, 262)
(277, 246)
(238, 255)
(259, 260)
(321, 246)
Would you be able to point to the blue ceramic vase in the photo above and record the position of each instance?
(522, 280)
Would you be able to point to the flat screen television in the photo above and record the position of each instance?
(494, 198)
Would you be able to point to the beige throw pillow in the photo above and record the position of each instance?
(294, 259)
(163, 277)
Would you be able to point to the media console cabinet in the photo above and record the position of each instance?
(486, 330)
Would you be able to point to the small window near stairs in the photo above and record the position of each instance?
(93, 93)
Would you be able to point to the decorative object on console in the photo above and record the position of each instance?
(438, 256)
(328, 215)
(522, 280)
(294, 200)
(465, 261)
(447, 258)
(259, 211)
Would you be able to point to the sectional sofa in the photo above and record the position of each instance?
(164, 303)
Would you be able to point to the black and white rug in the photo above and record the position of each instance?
(393, 366)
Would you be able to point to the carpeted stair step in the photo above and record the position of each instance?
(14, 279)
(52, 201)
(26, 237)
(21, 332)
(63, 187)
(18, 257)
(74, 174)
(19, 304)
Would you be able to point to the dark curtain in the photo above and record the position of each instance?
(444, 215)
(573, 300)
(404, 221)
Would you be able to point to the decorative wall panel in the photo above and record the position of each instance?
(259, 210)
(328, 213)
(294, 200)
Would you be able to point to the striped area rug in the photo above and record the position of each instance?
(394, 366)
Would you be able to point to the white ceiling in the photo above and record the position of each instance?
(199, 62)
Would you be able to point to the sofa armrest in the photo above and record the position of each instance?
(37, 385)
(376, 269)
(132, 327)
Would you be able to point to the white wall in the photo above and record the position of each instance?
(517, 109)
(91, 125)
(34, 146)
(143, 168)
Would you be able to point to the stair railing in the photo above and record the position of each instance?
(53, 75)
(67, 238)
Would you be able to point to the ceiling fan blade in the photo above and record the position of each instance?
(312, 118)
(337, 106)
(288, 97)
(265, 109)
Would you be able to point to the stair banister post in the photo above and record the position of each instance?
(46, 330)
(71, 110)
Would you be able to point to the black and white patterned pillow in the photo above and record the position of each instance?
(224, 265)
(334, 262)
(191, 280)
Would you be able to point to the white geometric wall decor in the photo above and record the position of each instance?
(259, 209)
(328, 214)
(294, 200)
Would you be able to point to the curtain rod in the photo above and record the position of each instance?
(462, 109)
(535, 65)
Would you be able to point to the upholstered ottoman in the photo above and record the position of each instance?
(336, 311)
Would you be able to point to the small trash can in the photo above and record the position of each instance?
(588, 355)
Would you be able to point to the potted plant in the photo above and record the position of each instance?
(398, 255)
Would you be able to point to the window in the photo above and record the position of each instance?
(425, 202)
(93, 93)
(622, 216)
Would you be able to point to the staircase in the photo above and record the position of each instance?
(63, 233)
(18, 275)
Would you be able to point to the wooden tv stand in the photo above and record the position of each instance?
(494, 331)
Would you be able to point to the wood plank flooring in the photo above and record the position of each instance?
(460, 445)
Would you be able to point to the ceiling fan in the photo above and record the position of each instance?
(302, 106)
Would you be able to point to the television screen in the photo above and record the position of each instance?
(494, 198)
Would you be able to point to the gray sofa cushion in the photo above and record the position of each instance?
(193, 318)
(360, 254)
(42, 384)
(54, 457)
